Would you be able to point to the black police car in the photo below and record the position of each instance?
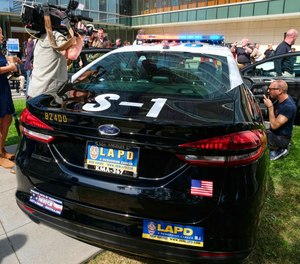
(154, 150)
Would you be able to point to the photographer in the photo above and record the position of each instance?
(50, 65)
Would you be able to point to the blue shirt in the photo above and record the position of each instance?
(288, 109)
(6, 102)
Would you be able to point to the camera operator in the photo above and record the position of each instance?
(50, 66)
(242, 53)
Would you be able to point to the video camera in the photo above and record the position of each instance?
(33, 16)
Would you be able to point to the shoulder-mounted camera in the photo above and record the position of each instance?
(33, 16)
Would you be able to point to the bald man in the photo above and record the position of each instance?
(242, 53)
(285, 66)
(282, 111)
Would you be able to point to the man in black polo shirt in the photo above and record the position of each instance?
(285, 66)
(269, 51)
(242, 53)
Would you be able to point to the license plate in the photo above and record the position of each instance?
(173, 233)
(46, 202)
(119, 160)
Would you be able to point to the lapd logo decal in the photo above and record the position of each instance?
(167, 232)
(151, 228)
(94, 151)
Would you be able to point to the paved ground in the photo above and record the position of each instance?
(16, 95)
(23, 241)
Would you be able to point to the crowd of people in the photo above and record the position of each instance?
(247, 53)
(46, 71)
(99, 39)
(281, 107)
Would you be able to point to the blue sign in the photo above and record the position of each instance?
(13, 45)
(173, 233)
(112, 160)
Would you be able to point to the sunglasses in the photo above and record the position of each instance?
(275, 88)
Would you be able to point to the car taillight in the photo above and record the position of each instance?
(26, 208)
(230, 150)
(29, 119)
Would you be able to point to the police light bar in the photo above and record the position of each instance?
(183, 38)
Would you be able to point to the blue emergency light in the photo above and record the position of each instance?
(211, 39)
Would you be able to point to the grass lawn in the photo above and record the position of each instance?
(279, 233)
(13, 137)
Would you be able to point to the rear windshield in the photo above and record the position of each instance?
(172, 73)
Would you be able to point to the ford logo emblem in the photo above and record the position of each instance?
(109, 130)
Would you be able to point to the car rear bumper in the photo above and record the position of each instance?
(120, 241)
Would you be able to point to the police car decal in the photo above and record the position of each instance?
(46, 202)
(103, 103)
(173, 233)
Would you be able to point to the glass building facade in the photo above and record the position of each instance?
(123, 18)
(112, 15)
(155, 12)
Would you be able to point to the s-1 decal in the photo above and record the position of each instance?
(104, 104)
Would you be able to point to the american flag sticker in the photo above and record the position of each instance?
(202, 188)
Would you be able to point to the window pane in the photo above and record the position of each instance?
(260, 9)
(4, 5)
(183, 16)
(87, 4)
(112, 6)
(174, 2)
(247, 10)
(94, 5)
(212, 13)
(234, 11)
(222, 12)
(174, 17)
(191, 15)
(149, 72)
(102, 5)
